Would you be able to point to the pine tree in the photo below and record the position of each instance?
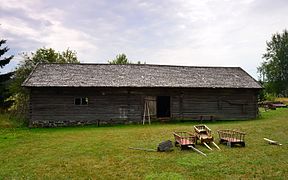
(4, 78)
(5, 60)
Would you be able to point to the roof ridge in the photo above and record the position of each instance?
(162, 65)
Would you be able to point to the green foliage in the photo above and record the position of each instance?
(4, 78)
(270, 97)
(265, 96)
(5, 60)
(83, 152)
(20, 106)
(122, 59)
(29, 62)
(8, 121)
(274, 69)
(49, 55)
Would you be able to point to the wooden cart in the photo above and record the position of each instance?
(231, 137)
(186, 140)
(204, 134)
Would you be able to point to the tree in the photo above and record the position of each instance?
(122, 59)
(5, 60)
(4, 78)
(43, 55)
(274, 70)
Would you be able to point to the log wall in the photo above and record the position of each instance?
(55, 106)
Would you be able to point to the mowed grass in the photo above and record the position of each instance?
(102, 152)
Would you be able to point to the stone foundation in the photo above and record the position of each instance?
(48, 124)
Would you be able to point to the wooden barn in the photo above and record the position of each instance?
(74, 94)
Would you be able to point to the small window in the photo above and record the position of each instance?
(77, 101)
(84, 101)
(81, 101)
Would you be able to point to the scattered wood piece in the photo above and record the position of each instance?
(164, 146)
(272, 142)
(143, 149)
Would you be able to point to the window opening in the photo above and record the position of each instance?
(81, 101)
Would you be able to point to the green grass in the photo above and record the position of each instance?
(102, 152)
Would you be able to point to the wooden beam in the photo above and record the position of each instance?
(272, 142)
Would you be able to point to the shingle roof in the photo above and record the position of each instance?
(135, 75)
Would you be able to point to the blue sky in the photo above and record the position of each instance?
(182, 32)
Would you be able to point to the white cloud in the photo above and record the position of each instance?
(15, 4)
(49, 30)
(206, 32)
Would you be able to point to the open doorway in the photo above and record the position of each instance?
(163, 106)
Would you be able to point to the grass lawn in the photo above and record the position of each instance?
(102, 152)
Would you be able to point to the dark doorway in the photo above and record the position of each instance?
(163, 106)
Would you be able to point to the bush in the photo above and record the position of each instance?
(270, 97)
(9, 121)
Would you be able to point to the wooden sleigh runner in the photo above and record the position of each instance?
(204, 135)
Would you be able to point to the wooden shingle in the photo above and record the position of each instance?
(138, 75)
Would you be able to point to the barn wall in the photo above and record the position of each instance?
(55, 106)
(224, 104)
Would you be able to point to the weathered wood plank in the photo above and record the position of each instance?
(106, 104)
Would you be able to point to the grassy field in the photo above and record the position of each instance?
(102, 152)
